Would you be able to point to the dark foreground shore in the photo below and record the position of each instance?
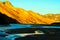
(40, 37)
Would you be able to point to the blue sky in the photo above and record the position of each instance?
(40, 6)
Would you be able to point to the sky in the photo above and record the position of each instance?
(39, 6)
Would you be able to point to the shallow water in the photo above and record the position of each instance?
(14, 26)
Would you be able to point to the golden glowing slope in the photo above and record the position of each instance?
(23, 16)
(53, 16)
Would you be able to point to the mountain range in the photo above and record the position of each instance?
(26, 16)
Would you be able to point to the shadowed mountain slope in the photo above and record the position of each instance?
(5, 20)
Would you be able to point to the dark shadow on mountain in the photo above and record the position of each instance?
(5, 20)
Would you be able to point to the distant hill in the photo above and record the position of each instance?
(56, 24)
(53, 16)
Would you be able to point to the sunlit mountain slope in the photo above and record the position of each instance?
(23, 16)
(53, 16)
